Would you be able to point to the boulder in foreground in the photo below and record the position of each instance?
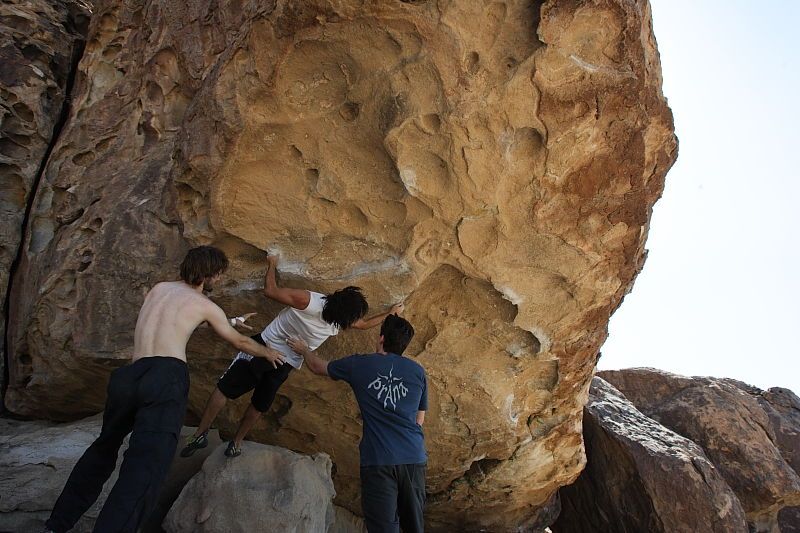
(492, 164)
(36, 459)
(265, 489)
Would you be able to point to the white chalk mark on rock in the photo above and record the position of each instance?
(583, 64)
(409, 178)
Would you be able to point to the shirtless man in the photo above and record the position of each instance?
(147, 398)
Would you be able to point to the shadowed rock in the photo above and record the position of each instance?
(36, 459)
(640, 476)
(750, 435)
(40, 45)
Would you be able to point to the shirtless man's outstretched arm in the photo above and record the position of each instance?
(219, 323)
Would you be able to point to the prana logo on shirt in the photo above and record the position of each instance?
(389, 387)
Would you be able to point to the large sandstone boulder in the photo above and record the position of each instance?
(493, 164)
(750, 435)
(265, 489)
(36, 459)
(640, 476)
(40, 45)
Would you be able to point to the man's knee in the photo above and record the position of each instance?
(218, 396)
(259, 407)
(107, 444)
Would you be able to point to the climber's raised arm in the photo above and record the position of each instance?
(377, 320)
(297, 298)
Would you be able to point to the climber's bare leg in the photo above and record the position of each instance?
(249, 420)
(214, 405)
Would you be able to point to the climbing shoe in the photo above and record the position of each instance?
(232, 450)
(195, 443)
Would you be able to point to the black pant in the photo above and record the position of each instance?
(393, 498)
(149, 398)
(257, 373)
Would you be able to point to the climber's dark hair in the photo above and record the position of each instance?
(201, 263)
(397, 332)
(344, 307)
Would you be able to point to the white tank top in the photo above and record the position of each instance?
(306, 324)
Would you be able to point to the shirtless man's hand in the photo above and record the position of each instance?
(219, 322)
(239, 321)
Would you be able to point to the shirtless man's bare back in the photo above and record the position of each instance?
(147, 398)
(172, 311)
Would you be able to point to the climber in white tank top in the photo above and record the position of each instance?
(310, 316)
(291, 323)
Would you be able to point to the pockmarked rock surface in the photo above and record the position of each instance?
(40, 45)
(265, 489)
(641, 476)
(36, 459)
(493, 165)
(750, 435)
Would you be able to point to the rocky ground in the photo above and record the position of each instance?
(265, 489)
(643, 473)
(37, 457)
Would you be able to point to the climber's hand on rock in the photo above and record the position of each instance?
(272, 260)
(298, 345)
(397, 309)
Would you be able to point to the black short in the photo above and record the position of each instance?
(259, 374)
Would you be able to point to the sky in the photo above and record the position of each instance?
(719, 294)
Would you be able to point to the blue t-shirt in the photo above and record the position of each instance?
(389, 389)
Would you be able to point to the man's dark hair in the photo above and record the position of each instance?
(344, 307)
(201, 263)
(397, 333)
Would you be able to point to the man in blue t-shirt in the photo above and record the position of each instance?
(392, 394)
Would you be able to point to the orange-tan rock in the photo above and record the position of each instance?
(493, 165)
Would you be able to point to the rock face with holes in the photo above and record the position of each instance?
(752, 436)
(492, 164)
(641, 476)
(40, 44)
